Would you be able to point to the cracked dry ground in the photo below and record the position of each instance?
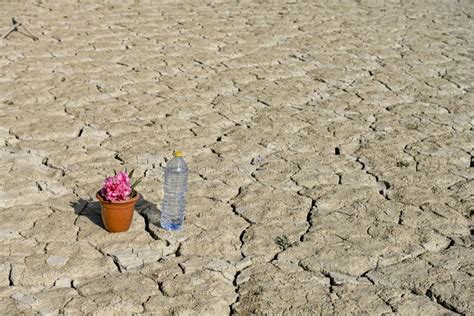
(345, 127)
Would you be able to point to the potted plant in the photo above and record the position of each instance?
(117, 200)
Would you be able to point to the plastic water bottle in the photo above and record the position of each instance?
(175, 187)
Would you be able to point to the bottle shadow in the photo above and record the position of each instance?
(90, 209)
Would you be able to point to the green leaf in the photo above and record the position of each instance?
(130, 174)
(115, 172)
(403, 163)
(283, 242)
(136, 183)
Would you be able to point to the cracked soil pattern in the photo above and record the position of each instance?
(345, 126)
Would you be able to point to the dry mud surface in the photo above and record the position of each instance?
(344, 126)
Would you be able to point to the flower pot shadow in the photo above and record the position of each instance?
(89, 209)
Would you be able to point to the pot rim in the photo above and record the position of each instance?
(134, 199)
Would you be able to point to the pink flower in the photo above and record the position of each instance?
(116, 188)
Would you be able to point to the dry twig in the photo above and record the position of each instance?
(14, 28)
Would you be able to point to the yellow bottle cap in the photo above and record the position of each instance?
(178, 153)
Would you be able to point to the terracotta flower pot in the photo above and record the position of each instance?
(117, 216)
